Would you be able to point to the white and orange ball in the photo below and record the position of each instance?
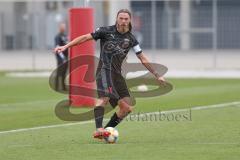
(113, 137)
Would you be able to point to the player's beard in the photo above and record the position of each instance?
(123, 28)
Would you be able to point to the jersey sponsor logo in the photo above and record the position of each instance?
(113, 48)
(109, 47)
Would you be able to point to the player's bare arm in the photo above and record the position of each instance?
(74, 42)
(144, 60)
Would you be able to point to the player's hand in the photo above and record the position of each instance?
(60, 49)
(162, 81)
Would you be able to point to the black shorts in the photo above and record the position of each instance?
(112, 85)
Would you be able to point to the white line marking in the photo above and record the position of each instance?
(86, 122)
(28, 74)
(44, 127)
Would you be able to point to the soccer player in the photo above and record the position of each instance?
(115, 41)
(61, 57)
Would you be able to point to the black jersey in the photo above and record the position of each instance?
(114, 47)
(61, 40)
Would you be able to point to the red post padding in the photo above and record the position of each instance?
(81, 22)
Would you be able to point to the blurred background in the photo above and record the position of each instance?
(184, 35)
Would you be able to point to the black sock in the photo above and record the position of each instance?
(114, 121)
(98, 114)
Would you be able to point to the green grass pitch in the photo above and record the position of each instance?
(207, 134)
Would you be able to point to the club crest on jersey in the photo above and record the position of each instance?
(125, 43)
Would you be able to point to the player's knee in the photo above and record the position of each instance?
(127, 109)
(130, 109)
(103, 101)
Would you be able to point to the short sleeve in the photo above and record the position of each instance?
(98, 33)
(136, 47)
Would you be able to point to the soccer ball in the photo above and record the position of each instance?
(113, 137)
